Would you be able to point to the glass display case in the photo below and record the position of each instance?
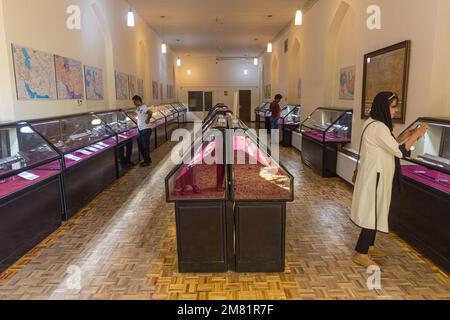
(262, 113)
(127, 133)
(420, 212)
(78, 137)
(182, 111)
(429, 163)
(25, 158)
(120, 123)
(323, 133)
(88, 147)
(157, 123)
(30, 191)
(329, 125)
(290, 115)
(229, 185)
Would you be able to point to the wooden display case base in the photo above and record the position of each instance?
(260, 237)
(201, 237)
(84, 181)
(321, 157)
(420, 215)
(28, 218)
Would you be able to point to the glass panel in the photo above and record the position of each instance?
(264, 110)
(256, 175)
(119, 122)
(21, 147)
(202, 174)
(290, 115)
(73, 133)
(433, 149)
(321, 125)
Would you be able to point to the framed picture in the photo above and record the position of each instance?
(155, 88)
(286, 45)
(387, 70)
(347, 83)
(267, 91)
(299, 89)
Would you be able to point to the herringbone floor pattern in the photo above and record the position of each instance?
(124, 244)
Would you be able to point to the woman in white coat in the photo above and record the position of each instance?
(378, 174)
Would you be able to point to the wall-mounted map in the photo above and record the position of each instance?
(121, 86)
(132, 85)
(69, 78)
(94, 83)
(140, 88)
(155, 88)
(35, 74)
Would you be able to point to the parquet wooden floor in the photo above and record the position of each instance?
(124, 244)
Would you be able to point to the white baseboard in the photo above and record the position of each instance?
(345, 167)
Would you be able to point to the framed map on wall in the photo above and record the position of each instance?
(387, 70)
(267, 91)
(140, 88)
(122, 86)
(69, 78)
(93, 78)
(161, 91)
(155, 88)
(132, 85)
(35, 74)
(347, 83)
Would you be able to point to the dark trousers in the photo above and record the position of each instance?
(144, 144)
(125, 153)
(366, 240)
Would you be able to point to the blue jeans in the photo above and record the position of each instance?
(144, 144)
(274, 123)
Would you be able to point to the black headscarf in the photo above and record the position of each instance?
(381, 112)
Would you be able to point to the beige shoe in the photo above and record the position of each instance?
(377, 252)
(363, 260)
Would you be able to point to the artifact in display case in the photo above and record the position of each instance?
(127, 134)
(323, 133)
(420, 213)
(89, 158)
(30, 172)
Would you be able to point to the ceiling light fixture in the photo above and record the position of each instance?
(299, 18)
(189, 72)
(179, 62)
(269, 47)
(130, 19)
(246, 72)
(255, 61)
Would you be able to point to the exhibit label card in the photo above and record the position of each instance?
(92, 149)
(72, 157)
(85, 152)
(28, 176)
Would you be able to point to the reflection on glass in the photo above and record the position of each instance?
(290, 115)
(21, 147)
(69, 134)
(119, 122)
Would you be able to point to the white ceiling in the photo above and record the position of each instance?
(218, 27)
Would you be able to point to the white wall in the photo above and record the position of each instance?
(104, 41)
(218, 77)
(335, 35)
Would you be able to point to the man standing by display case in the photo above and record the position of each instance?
(275, 109)
(145, 132)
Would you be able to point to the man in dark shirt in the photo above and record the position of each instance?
(275, 109)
